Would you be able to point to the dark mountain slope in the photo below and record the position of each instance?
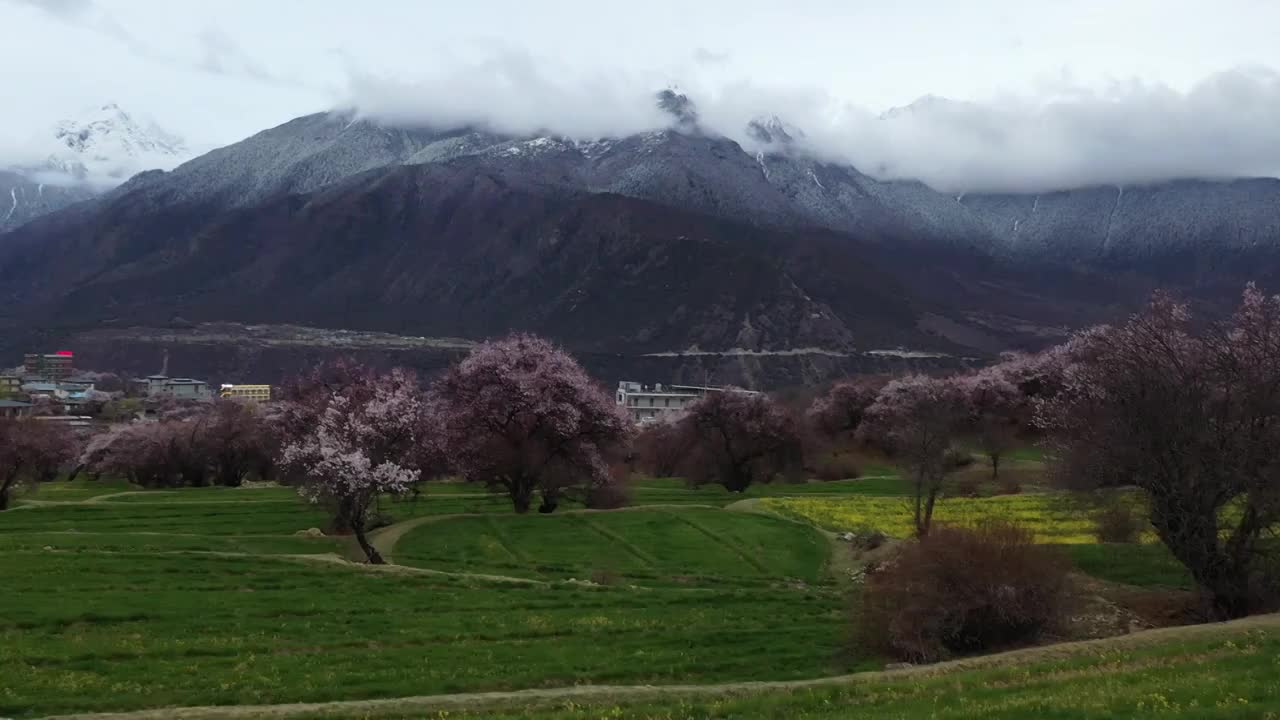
(458, 249)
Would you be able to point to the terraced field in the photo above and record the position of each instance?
(124, 600)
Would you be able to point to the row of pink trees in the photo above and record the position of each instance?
(190, 445)
(31, 451)
(1189, 413)
(1186, 411)
(519, 416)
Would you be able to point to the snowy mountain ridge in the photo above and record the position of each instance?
(85, 157)
(107, 147)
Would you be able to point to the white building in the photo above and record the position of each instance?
(165, 386)
(658, 402)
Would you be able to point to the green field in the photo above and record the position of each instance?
(210, 596)
(664, 546)
(1225, 672)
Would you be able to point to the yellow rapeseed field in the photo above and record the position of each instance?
(1051, 516)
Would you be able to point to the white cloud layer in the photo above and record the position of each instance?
(1047, 94)
(1225, 126)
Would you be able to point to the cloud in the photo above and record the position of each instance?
(1063, 136)
(1225, 126)
(65, 9)
(509, 92)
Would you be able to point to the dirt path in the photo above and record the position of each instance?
(616, 693)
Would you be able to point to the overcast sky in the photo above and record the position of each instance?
(1054, 93)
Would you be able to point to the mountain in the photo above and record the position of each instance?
(108, 146)
(676, 252)
(86, 156)
(23, 198)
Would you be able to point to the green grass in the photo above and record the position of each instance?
(124, 631)
(1230, 675)
(660, 491)
(269, 518)
(78, 490)
(183, 597)
(638, 546)
(147, 542)
(208, 495)
(1132, 564)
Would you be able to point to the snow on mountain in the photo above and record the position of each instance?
(108, 146)
(85, 156)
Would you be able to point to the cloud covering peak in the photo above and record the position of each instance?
(1225, 126)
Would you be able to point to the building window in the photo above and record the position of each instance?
(650, 402)
(666, 402)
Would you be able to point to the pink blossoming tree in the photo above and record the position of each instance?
(522, 417)
(917, 418)
(838, 413)
(994, 414)
(1189, 413)
(31, 451)
(363, 443)
(739, 439)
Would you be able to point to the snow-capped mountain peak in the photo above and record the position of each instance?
(107, 146)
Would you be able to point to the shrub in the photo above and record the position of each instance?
(963, 591)
(1117, 523)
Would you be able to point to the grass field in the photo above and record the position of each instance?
(209, 596)
(1229, 673)
(646, 546)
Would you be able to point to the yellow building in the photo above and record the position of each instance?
(261, 393)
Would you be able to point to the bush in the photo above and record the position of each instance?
(1117, 523)
(962, 590)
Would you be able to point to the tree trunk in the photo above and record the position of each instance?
(917, 509)
(995, 467)
(1191, 535)
(521, 497)
(6, 488)
(75, 472)
(375, 558)
(550, 501)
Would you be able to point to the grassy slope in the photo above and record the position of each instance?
(639, 546)
(1228, 672)
(114, 631)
